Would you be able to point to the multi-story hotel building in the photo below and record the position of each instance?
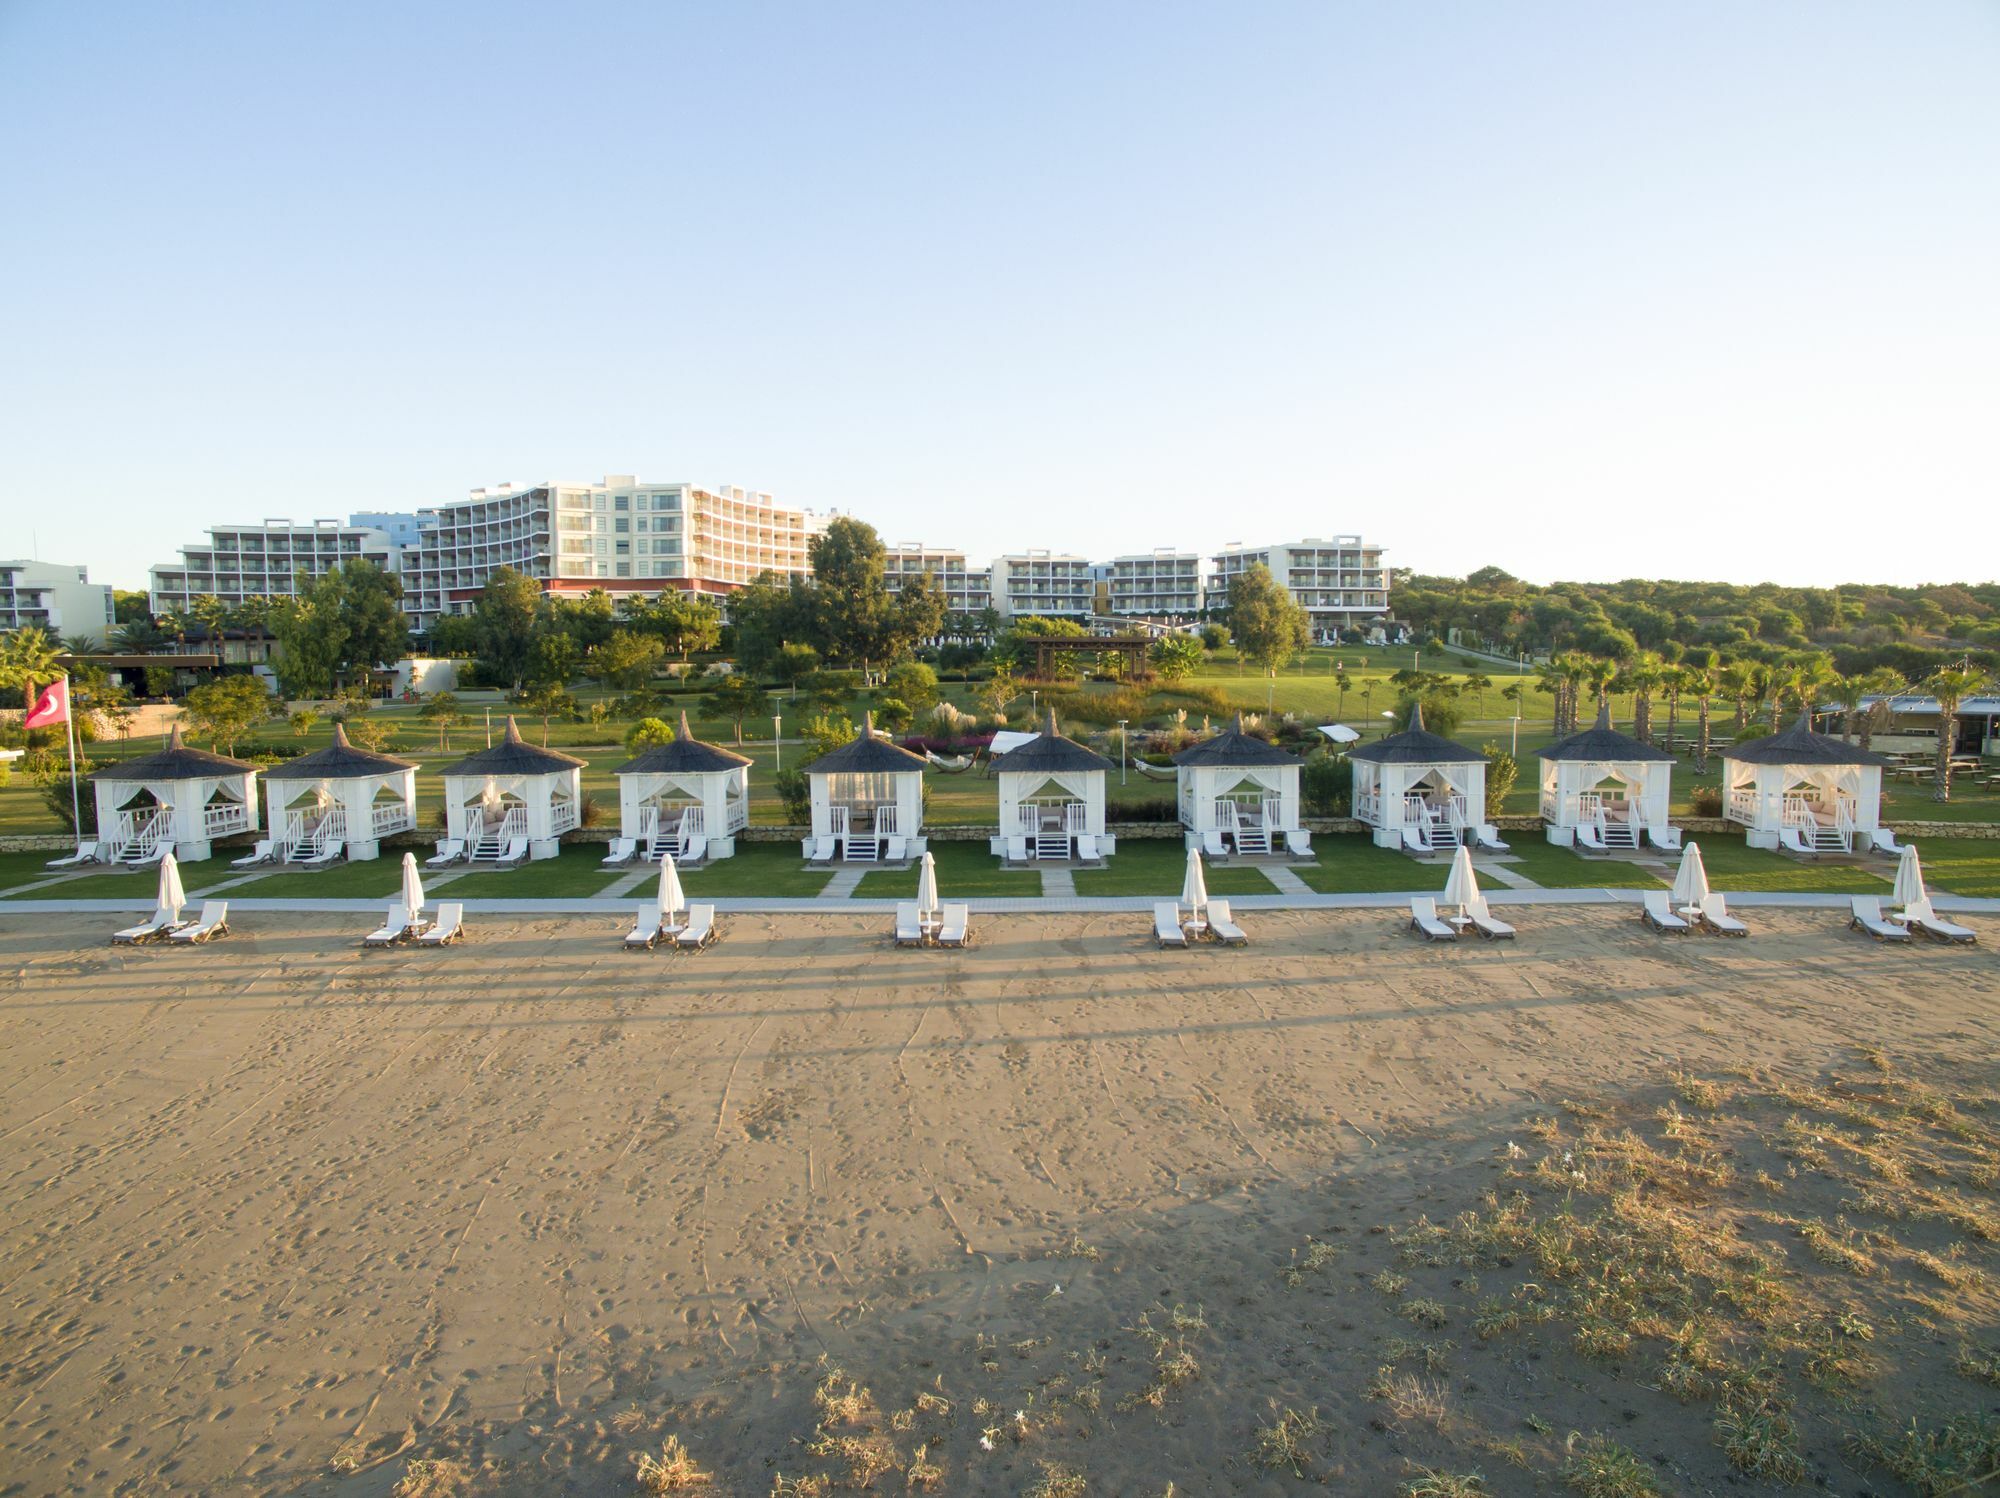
(1160, 584)
(621, 535)
(1340, 582)
(1048, 583)
(966, 589)
(54, 597)
(239, 562)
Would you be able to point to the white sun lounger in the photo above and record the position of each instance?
(1586, 837)
(331, 853)
(86, 852)
(1488, 837)
(693, 851)
(1923, 918)
(157, 925)
(1086, 847)
(1486, 923)
(1715, 915)
(1867, 916)
(515, 855)
(259, 854)
(1017, 850)
(450, 851)
(1211, 844)
(699, 930)
(1224, 929)
(1656, 912)
(909, 925)
(1668, 838)
(1424, 918)
(214, 922)
(897, 851)
(1883, 840)
(645, 927)
(400, 925)
(450, 926)
(1299, 842)
(817, 849)
(1167, 925)
(621, 851)
(954, 926)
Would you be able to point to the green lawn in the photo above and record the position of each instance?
(575, 872)
(374, 879)
(1733, 864)
(128, 885)
(1353, 865)
(1558, 868)
(962, 869)
(1157, 866)
(758, 869)
(24, 868)
(1962, 865)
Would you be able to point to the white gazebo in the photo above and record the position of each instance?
(1051, 800)
(686, 798)
(338, 800)
(1603, 789)
(1421, 792)
(512, 790)
(177, 800)
(1802, 791)
(867, 802)
(1239, 795)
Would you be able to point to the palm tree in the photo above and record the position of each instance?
(1342, 683)
(1950, 686)
(1641, 675)
(1737, 681)
(1602, 675)
(1883, 683)
(1698, 676)
(27, 662)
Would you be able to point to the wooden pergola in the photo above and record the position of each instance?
(1130, 649)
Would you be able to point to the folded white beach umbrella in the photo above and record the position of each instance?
(1909, 879)
(413, 887)
(1461, 885)
(1691, 882)
(927, 895)
(672, 901)
(172, 897)
(1194, 888)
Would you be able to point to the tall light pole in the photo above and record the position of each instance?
(777, 746)
(1121, 750)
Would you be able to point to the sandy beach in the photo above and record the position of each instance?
(282, 1215)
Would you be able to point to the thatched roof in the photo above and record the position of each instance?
(175, 762)
(1233, 746)
(513, 757)
(1416, 745)
(340, 760)
(686, 755)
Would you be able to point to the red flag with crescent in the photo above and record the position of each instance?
(51, 706)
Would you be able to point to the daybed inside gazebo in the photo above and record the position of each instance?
(338, 801)
(1421, 792)
(1051, 800)
(1239, 795)
(1604, 790)
(686, 798)
(867, 802)
(177, 800)
(512, 801)
(1803, 792)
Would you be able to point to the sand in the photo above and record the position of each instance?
(278, 1215)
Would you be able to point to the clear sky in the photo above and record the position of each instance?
(1584, 290)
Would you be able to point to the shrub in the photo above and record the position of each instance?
(1441, 712)
(1163, 810)
(648, 733)
(1502, 770)
(796, 793)
(589, 810)
(826, 733)
(1327, 784)
(1705, 800)
(1214, 637)
(913, 683)
(893, 715)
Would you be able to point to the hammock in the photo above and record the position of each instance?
(954, 766)
(1155, 772)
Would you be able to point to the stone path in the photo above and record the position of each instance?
(843, 884)
(625, 883)
(1286, 881)
(1058, 884)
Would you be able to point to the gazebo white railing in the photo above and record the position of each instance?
(137, 835)
(390, 817)
(311, 830)
(220, 818)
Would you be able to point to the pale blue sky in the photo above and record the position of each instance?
(1584, 290)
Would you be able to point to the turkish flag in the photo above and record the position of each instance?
(51, 707)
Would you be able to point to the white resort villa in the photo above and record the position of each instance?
(1421, 792)
(686, 798)
(1051, 800)
(337, 802)
(1239, 796)
(1602, 790)
(177, 800)
(509, 803)
(1803, 792)
(867, 802)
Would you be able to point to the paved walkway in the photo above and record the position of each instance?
(1287, 882)
(841, 886)
(1058, 884)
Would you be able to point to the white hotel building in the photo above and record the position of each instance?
(239, 562)
(966, 589)
(1051, 584)
(1162, 584)
(1340, 582)
(621, 535)
(55, 598)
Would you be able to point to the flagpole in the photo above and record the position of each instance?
(69, 726)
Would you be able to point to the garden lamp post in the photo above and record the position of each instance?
(777, 745)
(1121, 750)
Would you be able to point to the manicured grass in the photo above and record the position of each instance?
(376, 879)
(1353, 865)
(128, 885)
(1156, 866)
(575, 872)
(1733, 864)
(773, 869)
(25, 868)
(1558, 868)
(962, 869)
(1962, 865)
